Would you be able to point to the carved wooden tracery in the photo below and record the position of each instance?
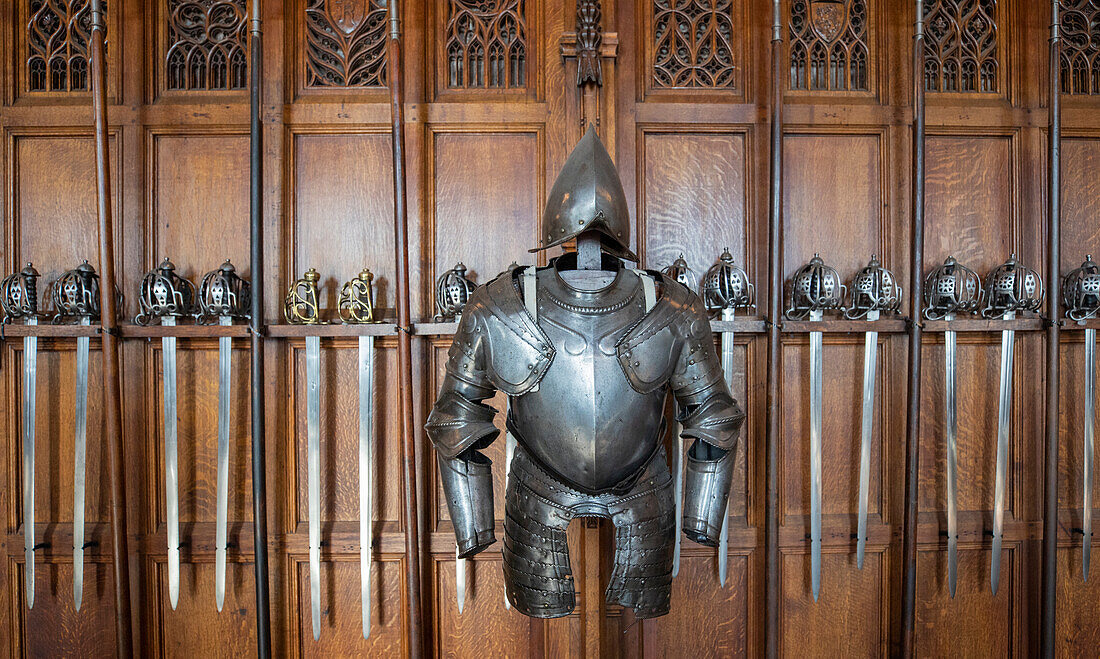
(1080, 46)
(693, 44)
(961, 46)
(486, 44)
(57, 45)
(346, 43)
(829, 49)
(207, 45)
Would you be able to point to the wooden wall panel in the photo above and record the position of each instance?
(975, 618)
(484, 628)
(725, 628)
(1080, 200)
(1078, 606)
(54, 627)
(195, 628)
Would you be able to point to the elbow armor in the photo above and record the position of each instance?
(715, 424)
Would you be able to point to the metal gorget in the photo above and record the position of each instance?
(585, 423)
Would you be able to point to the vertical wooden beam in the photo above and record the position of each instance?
(775, 312)
(1054, 225)
(912, 407)
(256, 219)
(404, 325)
(112, 382)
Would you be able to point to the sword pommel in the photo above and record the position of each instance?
(815, 287)
(874, 288)
(164, 293)
(302, 305)
(951, 289)
(20, 294)
(1081, 291)
(682, 273)
(223, 293)
(726, 286)
(357, 299)
(1012, 287)
(76, 294)
(452, 292)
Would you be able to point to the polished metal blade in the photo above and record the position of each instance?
(1008, 338)
(460, 580)
(225, 354)
(870, 359)
(366, 484)
(724, 535)
(313, 459)
(1090, 420)
(30, 379)
(678, 493)
(951, 434)
(171, 462)
(509, 451)
(80, 452)
(815, 457)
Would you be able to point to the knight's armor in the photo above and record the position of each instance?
(587, 373)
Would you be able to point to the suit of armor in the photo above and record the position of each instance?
(587, 373)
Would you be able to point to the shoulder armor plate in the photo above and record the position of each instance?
(648, 352)
(519, 352)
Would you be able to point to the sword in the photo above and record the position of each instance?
(1011, 287)
(509, 451)
(727, 370)
(815, 288)
(874, 290)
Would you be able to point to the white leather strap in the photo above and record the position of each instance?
(649, 289)
(530, 300)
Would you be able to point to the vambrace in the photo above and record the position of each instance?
(714, 423)
(468, 486)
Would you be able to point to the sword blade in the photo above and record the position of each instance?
(171, 463)
(724, 535)
(870, 357)
(30, 379)
(313, 459)
(366, 450)
(951, 423)
(1008, 338)
(509, 451)
(815, 457)
(1090, 419)
(678, 493)
(225, 354)
(80, 452)
(460, 580)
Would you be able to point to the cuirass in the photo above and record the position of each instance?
(585, 423)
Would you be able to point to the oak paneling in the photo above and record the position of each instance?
(196, 628)
(1077, 633)
(975, 619)
(54, 627)
(484, 628)
(1080, 200)
(724, 630)
(1071, 453)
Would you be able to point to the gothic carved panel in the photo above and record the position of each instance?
(346, 43)
(486, 44)
(961, 46)
(1080, 47)
(57, 36)
(829, 48)
(694, 44)
(207, 45)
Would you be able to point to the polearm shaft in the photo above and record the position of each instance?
(1054, 221)
(775, 292)
(256, 245)
(112, 383)
(912, 406)
(404, 343)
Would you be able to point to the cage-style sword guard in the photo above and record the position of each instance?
(680, 272)
(75, 294)
(20, 294)
(726, 286)
(164, 293)
(357, 299)
(874, 288)
(815, 287)
(951, 288)
(223, 293)
(1081, 291)
(452, 292)
(302, 305)
(1012, 287)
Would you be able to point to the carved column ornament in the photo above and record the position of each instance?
(207, 43)
(346, 43)
(693, 44)
(589, 40)
(1080, 47)
(486, 44)
(961, 46)
(828, 45)
(57, 45)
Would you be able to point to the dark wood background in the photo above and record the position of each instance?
(683, 109)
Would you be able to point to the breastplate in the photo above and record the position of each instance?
(585, 423)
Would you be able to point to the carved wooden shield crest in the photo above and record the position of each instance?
(828, 17)
(347, 14)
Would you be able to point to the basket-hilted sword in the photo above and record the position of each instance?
(20, 300)
(951, 289)
(874, 291)
(356, 307)
(1081, 297)
(302, 307)
(680, 272)
(815, 288)
(1009, 289)
(223, 296)
(725, 289)
(167, 297)
(452, 292)
(76, 299)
